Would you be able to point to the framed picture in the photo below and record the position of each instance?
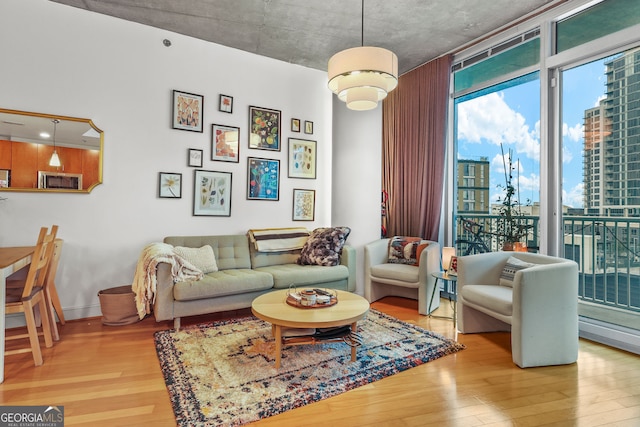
(302, 158)
(453, 266)
(308, 127)
(263, 179)
(295, 125)
(264, 128)
(224, 143)
(5, 178)
(211, 193)
(226, 104)
(304, 204)
(170, 185)
(194, 158)
(187, 111)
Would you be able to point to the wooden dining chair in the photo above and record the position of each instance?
(25, 299)
(51, 294)
(17, 279)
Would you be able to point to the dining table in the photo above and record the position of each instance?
(11, 259)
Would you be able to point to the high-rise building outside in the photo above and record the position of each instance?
(473, 186)
(612, 142)
(596, 126)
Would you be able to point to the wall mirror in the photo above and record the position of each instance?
(45, 152)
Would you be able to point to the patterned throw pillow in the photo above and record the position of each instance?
(202, 258)
(510, 269)
(406, 250)
(324, 246)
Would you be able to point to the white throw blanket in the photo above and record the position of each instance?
(278, 239)
(145, 280)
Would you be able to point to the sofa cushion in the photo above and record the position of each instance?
(222, 283)
(202, 258)
(406, 250)
(230, 251)
(401, 272)
(493, 297)
(285, 275)
(510, 269)
(324, 245)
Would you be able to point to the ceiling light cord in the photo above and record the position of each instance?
(362, 76)
(55, 159)
(362, 26)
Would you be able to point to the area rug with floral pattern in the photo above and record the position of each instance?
(223, 373)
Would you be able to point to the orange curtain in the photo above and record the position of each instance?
(414, 120)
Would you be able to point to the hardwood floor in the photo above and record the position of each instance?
(109, 376)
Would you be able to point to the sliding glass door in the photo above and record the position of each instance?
(601, 184)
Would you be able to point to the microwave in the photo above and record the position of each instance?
(60, 181)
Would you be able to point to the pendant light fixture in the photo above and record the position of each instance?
(55, 160)
(362, 76)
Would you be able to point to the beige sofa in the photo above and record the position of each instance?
(243, 274)
(538, 303)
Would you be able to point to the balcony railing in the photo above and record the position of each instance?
(477, 233)
(606, 249)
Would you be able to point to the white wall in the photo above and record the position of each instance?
(61, 60)
(357, 176)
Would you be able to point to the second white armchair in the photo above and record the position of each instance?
(532, 295)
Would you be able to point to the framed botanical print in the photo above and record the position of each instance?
(226, 104)
(211, 193)
(170, 185)
(187, 111)
(295, 125)
(302, 158)
(225, 145)
(308, 127)
(264, 128)
(304, 204)
(194, 158)
(263, 179)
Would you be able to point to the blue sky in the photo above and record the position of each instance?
(512, 117)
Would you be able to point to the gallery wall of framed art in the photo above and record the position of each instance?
(262, 175)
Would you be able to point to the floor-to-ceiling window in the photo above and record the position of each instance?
(588, 137)
(497, 141)
(601, 100)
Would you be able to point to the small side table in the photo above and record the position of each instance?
(442, 275)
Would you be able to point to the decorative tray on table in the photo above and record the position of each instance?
(311, 298)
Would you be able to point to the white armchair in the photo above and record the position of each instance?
(539, 305)
(384, 279)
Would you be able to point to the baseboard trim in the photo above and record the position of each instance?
(17, 320)
(611, 335)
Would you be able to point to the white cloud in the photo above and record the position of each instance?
(573, 133)
(489, 119)
(600, 98)
(567, 155)
(529, 184)
(574, 197)
(526, 184)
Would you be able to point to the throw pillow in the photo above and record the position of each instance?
(202, 258)
(405, 250)
(324, 246)
(510, 269)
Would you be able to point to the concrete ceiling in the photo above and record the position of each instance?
(308, 33)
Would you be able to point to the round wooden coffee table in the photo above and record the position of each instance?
(273, 308)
